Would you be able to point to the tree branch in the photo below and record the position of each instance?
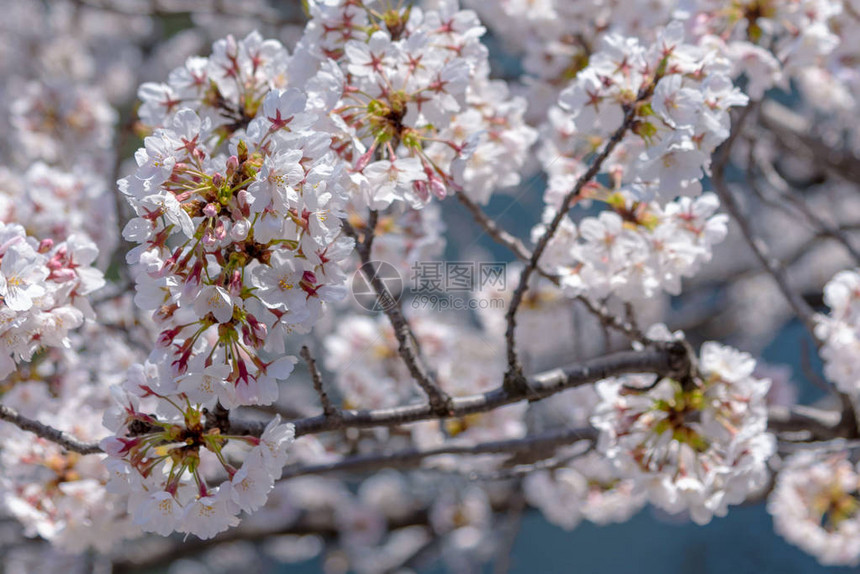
(407, 343)
(411, 457)
(790, 202)
(329, 409)
(721, 159)
(62, 438)
(794, 132)
(820, 424)
(522, 253)
(668, 359)
(514, 376)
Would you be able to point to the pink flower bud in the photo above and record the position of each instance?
(438, 188)
(243, 199)
(365, 158)
(210, 242)
(258, 329)
(165, 339)
(421, 190)
(220, 230)
(232, 165)
(46, 245)
(232, 47)
(62, 275)
(235, 286)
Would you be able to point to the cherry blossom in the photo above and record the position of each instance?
(838, 330)
(697, 445)
(43, 286)
(814, 505)
(705, 156)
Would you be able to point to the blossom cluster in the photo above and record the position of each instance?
(801, 41)
(664, 107)
(698, 445)
(679, 95)
(583, 485)
(61, 66)
(239, 245)
(238, 200)
(43, 286)
(586, 488)
(635, 250)
(262, 165)
(814, 505)
(57, 117)
(56, 494)
(52, 203)
(807, 46)
(840, 331)
(49, 120)
(176, 470)
(421, 116)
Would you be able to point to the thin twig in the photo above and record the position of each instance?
(793, 131)
(515, 375)
(407, 342)
(329, 409)
(835, 445)
(511, 529)
(499, 235)
(788, 200)
(805, 313)
(806, 367)
(819, 423)
(522, 253)
(721, 158)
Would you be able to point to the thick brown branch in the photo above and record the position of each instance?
(667, 359)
